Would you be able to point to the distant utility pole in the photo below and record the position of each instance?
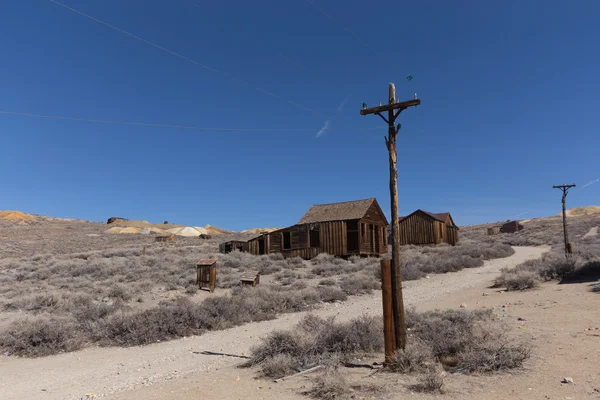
(395, 338)
(565, 190)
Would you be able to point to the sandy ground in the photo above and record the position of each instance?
(592, 232)
(178, 369)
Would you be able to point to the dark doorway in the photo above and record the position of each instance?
(315, 240)
(377, 239)
(352, 236)
(261, 246)
(287, 240)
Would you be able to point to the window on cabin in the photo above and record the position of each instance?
(314, 238)
(287, 240)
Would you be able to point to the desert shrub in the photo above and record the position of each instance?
(359, 284)
(329, 294)
(432, 381)
(120, 292)
(278, 366)
(327, 282)
(315, 340)
(169, 320)
(40, 337)
(37, 303)
(468, 340)
(330, 385)
(181, 317)
(517, 280)
(410, 272)
(414, 358)
(553, 265)
(191, 289)
(86, 310)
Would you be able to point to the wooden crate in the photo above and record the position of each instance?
(250, 279)
(206, 274)
(170, 238)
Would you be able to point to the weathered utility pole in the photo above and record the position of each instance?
(565, 190)
(398, 336)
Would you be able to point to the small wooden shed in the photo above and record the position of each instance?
(250, 278)
(168, 238)
(511, 227)
(206, 274)
(426, 228)
(493, 230)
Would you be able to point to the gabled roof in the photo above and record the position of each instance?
(442, 217)
(337, 211)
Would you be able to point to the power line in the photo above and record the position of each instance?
(279, 54)
(185, 127)
(216, 71)
(365, 44)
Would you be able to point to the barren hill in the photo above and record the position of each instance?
(586, 210)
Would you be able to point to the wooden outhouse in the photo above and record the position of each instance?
(206, 274)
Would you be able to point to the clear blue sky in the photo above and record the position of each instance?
(509, 95)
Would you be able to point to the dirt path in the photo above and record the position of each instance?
(109, 371)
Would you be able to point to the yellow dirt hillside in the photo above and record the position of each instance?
(16, 215)
(133, 226)
(257, 231)
(587, 210)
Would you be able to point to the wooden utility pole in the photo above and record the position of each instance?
(393, 110)
(565, 190)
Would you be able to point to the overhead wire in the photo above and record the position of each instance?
(190, 60)
(170, 126)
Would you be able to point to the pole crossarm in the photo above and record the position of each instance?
(382, 117)
(403, 105)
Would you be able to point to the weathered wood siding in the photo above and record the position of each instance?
(306, 254)
(332, 236)
(422, 229)
(452, 235)
(418, 229)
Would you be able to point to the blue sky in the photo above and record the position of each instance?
(508, 89)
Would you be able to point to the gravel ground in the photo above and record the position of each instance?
(100, 372)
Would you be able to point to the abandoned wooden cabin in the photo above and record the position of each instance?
(511, 227)
(352, 228)
(232, 245)
(493, 230)
(425, 228)
(167, 238)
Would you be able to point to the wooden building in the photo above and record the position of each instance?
(493, 230)
(425, 228)
(511, 227)
(341, 229)
(232, 245)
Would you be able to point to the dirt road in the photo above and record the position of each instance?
(125, 372)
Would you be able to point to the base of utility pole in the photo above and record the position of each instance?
(389, 336)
